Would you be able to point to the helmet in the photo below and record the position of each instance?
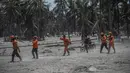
(12, 36)
(102, 33)
(110, 32)
(35, 37)
(64, 36)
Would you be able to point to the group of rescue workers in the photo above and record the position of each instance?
(16, 49)
(66, 41)
(104, 39)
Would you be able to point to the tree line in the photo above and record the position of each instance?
(26, 18)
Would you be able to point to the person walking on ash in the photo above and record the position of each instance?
(103, 42)
(111, 42)
(66, 44)
(16, 49)
(35, 47)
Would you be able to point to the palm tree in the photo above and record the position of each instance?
(35, 13)
(33, 17)
(27, 17)
(60, 12)
(12, 11)
(80, 9)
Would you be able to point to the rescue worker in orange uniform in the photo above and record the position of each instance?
(16, 49)
(35, 47)
(111, 42)
(103, 42)
(66, 44)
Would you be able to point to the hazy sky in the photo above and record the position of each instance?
(51, 2)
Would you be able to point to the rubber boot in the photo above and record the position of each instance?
(68, 52)
(64, 54)
(114, 50)
(12, 59)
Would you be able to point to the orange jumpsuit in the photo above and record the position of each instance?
(103, 39)
(14, 43)
(15, 51)
(104, 43)
(66, 43)
(111, 43)
(35, 48)
(35, 44)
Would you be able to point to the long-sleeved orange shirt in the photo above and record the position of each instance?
(111, 39)
(35, 44)
(15, 45)
(104, 39)
(66, 41)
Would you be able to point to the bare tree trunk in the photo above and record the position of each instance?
(127, 30)
(69, 34)
(10, 22)
(84, 33)
(110, 19)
